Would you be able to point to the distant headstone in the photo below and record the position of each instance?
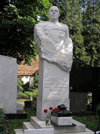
(78, 102)
(8, 84)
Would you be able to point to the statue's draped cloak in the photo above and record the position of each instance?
(53, 44)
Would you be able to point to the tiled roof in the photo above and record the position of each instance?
(29, 69)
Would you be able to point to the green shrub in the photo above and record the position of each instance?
(3, 124)
(26, 90)
(35, 93)
(19, 84)
(90, 121)
(18, 123)
(26, 86)
(26, 95)
(98, 109)
(35, 81)
(22, 95)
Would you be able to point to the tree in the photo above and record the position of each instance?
(16, 28)
(3, 3)
(91, 33)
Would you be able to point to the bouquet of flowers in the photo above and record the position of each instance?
(48, 118)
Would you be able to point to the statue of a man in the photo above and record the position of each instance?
(52, 41)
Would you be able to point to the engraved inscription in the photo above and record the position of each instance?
(54, 87)
(65, 120)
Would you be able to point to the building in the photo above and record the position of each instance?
(26, 72)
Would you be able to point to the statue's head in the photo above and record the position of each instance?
(53, 13)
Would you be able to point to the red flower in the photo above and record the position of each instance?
(56, 109)
(45, 110)
(50, 108)
(5, 125)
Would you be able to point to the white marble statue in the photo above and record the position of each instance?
(52, 41)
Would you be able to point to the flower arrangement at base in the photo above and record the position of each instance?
(48, 117)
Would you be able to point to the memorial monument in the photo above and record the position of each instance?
(55, 49)
(8, 84)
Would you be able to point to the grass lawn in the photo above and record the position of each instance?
(90, 121)
(22, 100)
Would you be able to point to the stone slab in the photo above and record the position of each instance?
(27, 125)
(38, 124)
(53, 87)
(78, 128)
(59, 130)
(22, 115)
(19, 106)
(86, 132)
(8, 84)
(62, 120)
(18, 131)
(53, 81)
(39, 131)
(78, 102)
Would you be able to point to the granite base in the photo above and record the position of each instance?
(62, 120)
(37, 126)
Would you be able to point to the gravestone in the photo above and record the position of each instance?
(8, 84)
(78, 102)
(53, 87)
(55, 49)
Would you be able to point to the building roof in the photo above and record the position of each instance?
(29, 70)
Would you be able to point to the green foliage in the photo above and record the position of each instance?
(19, 84)
(34, 9)
(3, 3)
(22, 95)
(26, 87)
(98, 109)
(22, 100)
(26, 94)
(16, 28)
(17, 123)
(35, 94)
(16, 34)
(2, 122)
(91, 121)
(91, 33)
(26, 90)
(35, 82)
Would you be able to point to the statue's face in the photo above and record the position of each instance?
(53, 13)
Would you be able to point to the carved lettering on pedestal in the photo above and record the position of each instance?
(65, 120)
(55, 86)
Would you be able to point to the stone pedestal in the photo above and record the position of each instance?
(38, 127)
(62, 121)
(53, 87)
(8, 84)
